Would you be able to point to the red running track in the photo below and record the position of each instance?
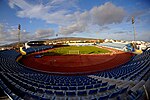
(76, 63)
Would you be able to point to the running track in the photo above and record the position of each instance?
(77, 63)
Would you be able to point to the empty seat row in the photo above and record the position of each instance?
(20, 82)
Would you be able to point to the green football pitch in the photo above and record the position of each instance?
(76, 50)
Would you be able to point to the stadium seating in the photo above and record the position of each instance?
(36, 49)
(20, 82)
(113, 45)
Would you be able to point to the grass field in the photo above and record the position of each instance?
(81, 49)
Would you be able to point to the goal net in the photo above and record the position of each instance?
(73, 52)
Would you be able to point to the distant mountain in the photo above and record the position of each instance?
(71, 39)
(55, 39)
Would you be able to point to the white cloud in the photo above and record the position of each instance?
(74, 28)
(126, 35)
(8, 34)
(70, 19)
(58, 12)
(3, 33)
(1, 27)
(145, 36)
(107, 14)
(39, 34)
(11, 35)
(138, 15)
(102, 15)
(21, 4)
(24, 30)
(42, 33)
(104, 28)
(64, 4)
(60, 18)
(53, 12)
(36, 11)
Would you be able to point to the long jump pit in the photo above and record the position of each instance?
(76, 64)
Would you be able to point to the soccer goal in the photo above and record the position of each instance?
(73, 52)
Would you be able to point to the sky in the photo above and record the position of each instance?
(100, 19)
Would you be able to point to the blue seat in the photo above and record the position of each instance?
(89, 86)
(80, 87)
(49, 87)
(59, 93)
(104, 84)
(123, 90)
(93, 82)
(86, 83)
(72, 88)
(56, 87)
(39, 90)
(97, 85)
(49, 92)
(114, 94)
(33, 97)
(13, 96)
(104, 97)
(102, 89)
(92, 91)
(64, 88)
(71, 93)
(93, 98)
(82, 93)
(111, 87)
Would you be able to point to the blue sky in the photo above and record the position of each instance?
(43, 19)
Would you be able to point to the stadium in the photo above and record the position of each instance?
(37, 74)
(74, 50)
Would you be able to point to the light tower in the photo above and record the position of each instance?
(133, 27)
(19, 28)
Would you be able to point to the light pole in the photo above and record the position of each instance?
(133, 27)
(19, 28)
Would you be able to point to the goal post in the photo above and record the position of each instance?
(73, 52)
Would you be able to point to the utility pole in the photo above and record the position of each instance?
(133, 27)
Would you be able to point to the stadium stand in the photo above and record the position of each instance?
(118, 46)
(127, 47)
(36, 49)
(128, 81)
